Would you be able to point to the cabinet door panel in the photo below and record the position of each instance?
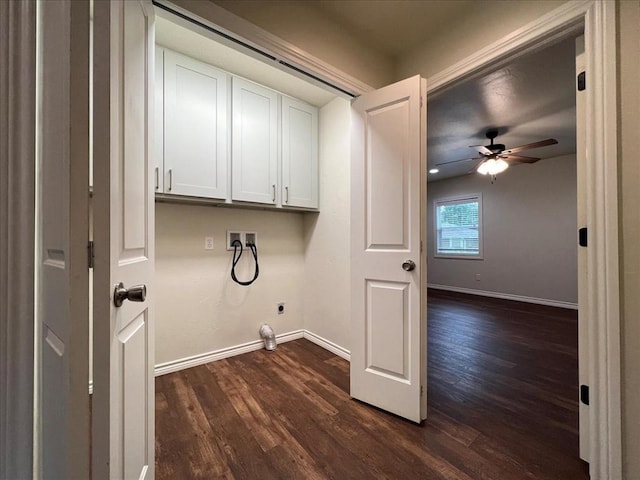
(158, 139)
(255, 137)
(299, 154)
(196, 152)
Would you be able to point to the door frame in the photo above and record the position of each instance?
(17, 247)
(597, 19)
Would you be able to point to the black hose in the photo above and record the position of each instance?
(236, 259)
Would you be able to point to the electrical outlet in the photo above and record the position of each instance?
(477, 277)
(280, 308)
(208, 243)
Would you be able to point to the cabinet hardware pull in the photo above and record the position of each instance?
(274, 193)
(170, 178)
(286, 191)
(157, 179)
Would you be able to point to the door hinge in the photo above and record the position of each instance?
(91, 254)
(582, 236)
(584, 394)
(421, 104)
(421, 390)
(582, 81)
(420, 246)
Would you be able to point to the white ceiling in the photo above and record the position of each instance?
(196, 42)
(396, 26)
(531, 99)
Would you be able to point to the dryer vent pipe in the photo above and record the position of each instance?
(266, 332)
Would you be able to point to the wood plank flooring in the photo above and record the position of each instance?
(502, 396)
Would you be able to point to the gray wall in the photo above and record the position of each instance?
(529, 225)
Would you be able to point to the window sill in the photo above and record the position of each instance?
(460, 257)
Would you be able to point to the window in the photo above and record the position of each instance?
(459, 227)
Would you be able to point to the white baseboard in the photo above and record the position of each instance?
(194, 361)
(506, 296)
(328, 345)
(183, 363)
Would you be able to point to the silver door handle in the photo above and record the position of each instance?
(274, 193)
(408, 265)
(286, 191)
(170, 178)
(157, 173)
(137, 293)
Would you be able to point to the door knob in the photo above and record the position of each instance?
(408, 265)
(137, 293)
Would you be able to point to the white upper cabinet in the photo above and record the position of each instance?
(255, 143)
(158, 139)
(299, 187)
(195, 128)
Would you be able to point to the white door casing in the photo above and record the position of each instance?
(62, 263)
(583, 322)
(123, 394)
(388, 367)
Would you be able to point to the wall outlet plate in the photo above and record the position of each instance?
(280, 308)
(234, 235)
(208, 243)
(250, 238)
(246, 238)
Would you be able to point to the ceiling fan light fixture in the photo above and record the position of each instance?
(493, 167)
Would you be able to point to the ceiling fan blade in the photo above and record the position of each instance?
(528, 146)
(457, 161)
(475, 167)
(481, 149)
(519, 159)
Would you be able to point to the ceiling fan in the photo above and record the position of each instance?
(495, 158)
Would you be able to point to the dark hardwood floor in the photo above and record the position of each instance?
(502, 396)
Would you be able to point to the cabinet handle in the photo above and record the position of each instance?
(170, 178)
(286, 194)
(274, 193)
(157, 178)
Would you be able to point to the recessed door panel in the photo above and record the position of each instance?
(387, 325)
(387, 156)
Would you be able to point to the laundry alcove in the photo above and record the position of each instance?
(303, 247)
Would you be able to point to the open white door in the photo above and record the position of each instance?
(123, 393)
(388, 181)
(583, 306)
(62, 275)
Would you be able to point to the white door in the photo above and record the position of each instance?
(388, 182)
(62, 261)
(195, 128)
(255, 143)
(123, 393)
(583, 307)
(299, 154)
